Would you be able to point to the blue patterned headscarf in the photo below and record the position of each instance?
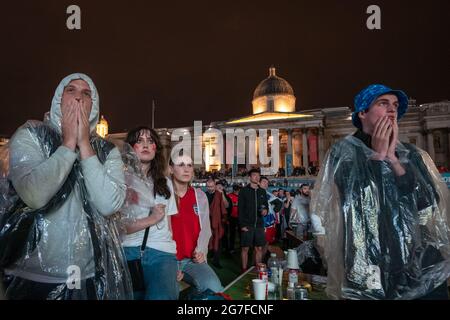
(367, 96)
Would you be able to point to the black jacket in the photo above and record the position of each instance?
(250, 203)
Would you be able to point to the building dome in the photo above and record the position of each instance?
(273, 94)
(272, 85)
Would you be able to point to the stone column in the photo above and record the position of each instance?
(223, 151)
(247, 153)
(305, 150)
(420, 142)
(289, 151)
(289, 141)
(280, 155)
(448, 149)
(166, 144)
(430, 144)
(321, 146)
(295, 159)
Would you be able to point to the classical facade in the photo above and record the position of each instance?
(305, 136)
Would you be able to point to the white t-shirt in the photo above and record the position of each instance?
(159, 235)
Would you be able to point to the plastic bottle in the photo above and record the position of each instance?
(283, 262)
(293, 276)
(275, 293)
(272, 266)
(290, 291)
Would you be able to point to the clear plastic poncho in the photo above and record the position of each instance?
(139, 199)
(55, 212)
(387, 237)
(306, 251)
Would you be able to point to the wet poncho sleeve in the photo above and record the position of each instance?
(105, 183)
(36, 178)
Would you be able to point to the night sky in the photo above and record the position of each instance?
(202, 60)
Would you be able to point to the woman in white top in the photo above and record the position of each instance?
(149, 203)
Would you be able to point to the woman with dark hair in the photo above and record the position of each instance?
(150, 200)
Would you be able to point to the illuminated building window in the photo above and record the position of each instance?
(102, 127)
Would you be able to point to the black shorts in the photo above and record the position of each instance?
(254, 237)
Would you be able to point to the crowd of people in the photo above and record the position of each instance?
(83, 218)
(312, 170)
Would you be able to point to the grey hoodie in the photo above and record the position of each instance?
(37, 177)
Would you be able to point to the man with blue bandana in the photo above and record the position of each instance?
(384, 208)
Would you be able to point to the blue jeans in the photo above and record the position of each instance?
(160, 274)
(200, 275)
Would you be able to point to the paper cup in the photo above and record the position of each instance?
(259, 289)
(292, 262)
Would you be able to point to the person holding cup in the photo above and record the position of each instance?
(149, 203)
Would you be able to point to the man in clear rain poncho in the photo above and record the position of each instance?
(384, 208)
(56, 238)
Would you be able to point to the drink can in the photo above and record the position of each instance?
(261, 267)
(301, 293)
(263, 275)
(262, 271)
(293, 276)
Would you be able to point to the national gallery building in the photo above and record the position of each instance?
(305, 136)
